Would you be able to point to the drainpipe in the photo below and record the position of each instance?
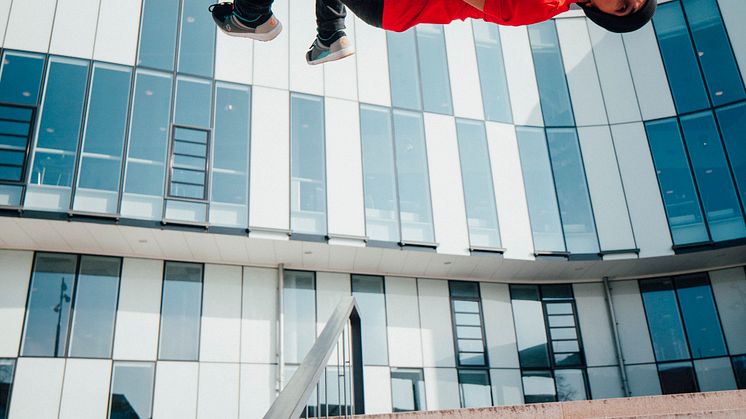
(280, 326)
(617, 341)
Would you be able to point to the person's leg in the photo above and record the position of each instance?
(369, 11)
(330, 20)
(253, 10)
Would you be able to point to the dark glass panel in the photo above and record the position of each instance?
(700, 316)
(556, 292)
(677, 377)
(158, 34)
(550, 75)
(732, 121)
(463, 289)
(180, 311)
(739, 369)
(21, 78)
(6, 385)
(369, 294)
(570, 385)
(664, 320)
(131, 390)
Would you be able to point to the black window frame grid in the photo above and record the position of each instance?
(169, 195)
(455, 326)
(29, 138)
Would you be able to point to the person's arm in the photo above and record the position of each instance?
(477, 4)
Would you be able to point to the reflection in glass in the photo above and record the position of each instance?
(403, 72)
(180, 311)
(570, 385)
(197, 45)
(538, 387)
(307, 165)
(492, 77)
(474, 388)
(550, 75)
(664, 320)
(407, 390)
(715, 374)
(158, 34)
(528, 314)
(300, 314)
(335, 393)
(20, 78)
(436, 91)
(369, 295)
(6, 385)
(700, 316)
(131, 390)
(732, 121)
(467, 322)
(189, 154)
(193, 102)
(677, 377)
(739, 369)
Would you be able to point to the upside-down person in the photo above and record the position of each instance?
(254, 19)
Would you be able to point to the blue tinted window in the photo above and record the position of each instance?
(732, 121)
(197, 46)
(676, 184)
(677, 377)
(550, 75)
(180, 311)
(300, 314)
(572, 191)
(15, 130)
(700, 316)
(540, 194)
(474, 388)
(413, 178)
(308, 165)
(679, 58)
(189, 153)
(368, 293)
(193, 102)
(403, 71)
(436, 87)
(467, 323)
(131, 390)
(713, 177)
(739, 370)
(379, 174)
(479, 194)
(528, 314)
(158, 33)
(494, 83)
(664, 320)
(714, 52)
(20, 78)
(6, 385)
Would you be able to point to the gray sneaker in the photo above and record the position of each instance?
(319, 53)
(230, 23)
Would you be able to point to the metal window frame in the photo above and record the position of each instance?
(169, 195)
(29, 140)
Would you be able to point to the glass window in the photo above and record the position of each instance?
(193, 102)
(379, 174)
(492, 77)
(550, 75)
(675, 179)
(538, 387)
(570, 385)
(197, 46)
(739, 368)
(16, 124)
(572, 191)
(158, 34)
(300, 314)
(540, 193)
(679, 59)
(131, 390)
(479, 193)
(700, 316)
(474, 388)
(369, 294)
(403, 71)
(677, 377)
(189, 156)
(407, 390)
(533, 350)
(20, 78)
(715, 374)
(308, 165)
(467, 323)
(436, 86)
(714, 181)
(180, 311)
(666, 330)
(413, 177)
(49, 305)
(732, 121)
(334, 393)
(6, 385)
(96, 295)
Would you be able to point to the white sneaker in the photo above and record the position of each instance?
(320, 53)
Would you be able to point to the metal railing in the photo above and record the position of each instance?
(342, 332)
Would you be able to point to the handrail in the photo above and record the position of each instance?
(293, 398)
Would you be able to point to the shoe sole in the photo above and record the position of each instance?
(263, 37)
(333, 56)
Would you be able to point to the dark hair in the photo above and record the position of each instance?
(621, 24)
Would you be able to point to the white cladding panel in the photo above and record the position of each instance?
(175, 395)
(37, 388)
(138, 315)
(634, 336)
(463, 70)
(271, 58)
(646, 211)
(234, 58)
(257, 390)
(734, 12)
(595, 325)
(643, 380)
(270, 157)
(507, 387)
(435, 319)
(85, 393)
(30, 25)
(507, 177)
(340, 77)
(372, 64)
(377, 384)
(220, 337)
(218, 391)
(605, 186)
(498, 325)
(441, 389)
(605, 382)
(519, 70)
(14, 282)
(117, 31)
(580, 68)
(4, 14)
(259, 315)
(646, 64)
(405, 345)
(74, 29)
(301, 30)
(344, 168)
(446, 187)
(729, 287)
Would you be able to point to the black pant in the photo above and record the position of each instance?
(330, 14)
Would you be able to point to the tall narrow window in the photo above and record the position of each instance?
(15, 129)
(403, 70)
(492, 77)
(300, 314)
(474, 388)
(739, 367)
(188, 171)
(436, 85)
(732, 121)
(181, 309)
(7, 367)
(407, 390)
(197, 43)
(369, 295)
(550, 75)
(158, 34)
(131, 390)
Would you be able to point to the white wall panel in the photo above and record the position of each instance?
(257, 390)
(734, 12)
(441, 388)
(377, 384)
(372, 64)
(463, 70)
(498, 325)
(15, 276)
(4, 14)
(729, 287)
(259, 315)
(218, 391)
(605, 382)
(507, 387)
(605, 186)
(446, 187)
(85, 394)
(435, 320)
(301, 29)
(138, 315)
(344, 168)
(519, 70)
(634, 336)
(74, 28)
(402, 313)
(649, 222)
(580, 68)
(595, 325)
(37, 388)
(30, 25)
(271, 58)
(220, 337)
(340, 77)
(643, 380)
(118, 28)
(234, 58)
(507, 177)
(615, 76)
(270, 158)
(175, 395)
(648, 74)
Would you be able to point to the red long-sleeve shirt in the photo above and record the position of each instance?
(400, 15)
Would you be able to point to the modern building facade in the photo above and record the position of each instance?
(522, 214)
